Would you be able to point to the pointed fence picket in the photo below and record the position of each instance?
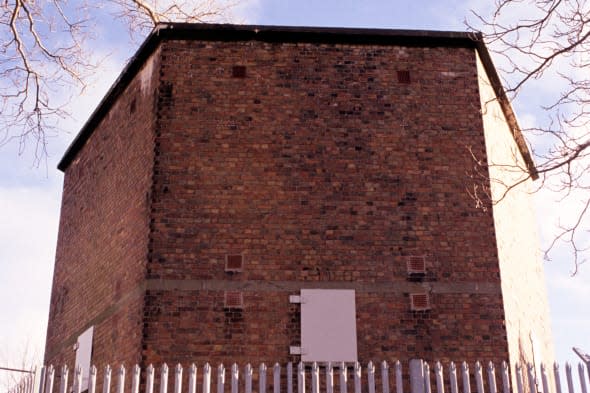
(423, 379)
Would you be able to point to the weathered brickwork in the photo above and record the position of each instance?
(317, 164)
(103, 236)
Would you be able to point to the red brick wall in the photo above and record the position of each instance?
(323, 171)
(319, 167)
(102, 246)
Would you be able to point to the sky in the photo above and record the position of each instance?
(30, 195)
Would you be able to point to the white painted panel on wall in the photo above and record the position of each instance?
(84, 355)
(328, 325)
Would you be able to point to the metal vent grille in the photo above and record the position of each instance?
(234, 263)
(238, 71)
(416, 265)
(419, 301)
(403, 76)
(233, 299)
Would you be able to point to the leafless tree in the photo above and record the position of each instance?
(544, 46)
(43, 53)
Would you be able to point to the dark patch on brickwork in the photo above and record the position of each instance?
(239, 71)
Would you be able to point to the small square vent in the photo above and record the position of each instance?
(419, 301)
(416, 265)
(239, 71)
(403, 76)
(233, 299)
(234, 263)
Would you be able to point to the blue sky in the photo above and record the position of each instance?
(30, 196)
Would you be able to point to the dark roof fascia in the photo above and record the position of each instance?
(506, 106)
(133, 66)
(328, 35)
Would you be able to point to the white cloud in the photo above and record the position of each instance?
(28, 234)
(30, 200)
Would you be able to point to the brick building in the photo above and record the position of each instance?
(251, 193)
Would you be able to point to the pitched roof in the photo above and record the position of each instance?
(227, 32)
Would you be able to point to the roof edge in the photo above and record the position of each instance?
(133, 66)
(229, 32)
(359, 36)
(506, 106)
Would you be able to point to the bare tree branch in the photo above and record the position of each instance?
(44, 53)
(545, 44)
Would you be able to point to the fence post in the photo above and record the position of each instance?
(385, 376)
(92, 379)
(427, 388)
(357, 377)
(568, 375)
(276, 382)
(290, 377)
(478, 377)
(532, 379)
(371, 377)
(220, 378)
(207, 378)
(164, 379)
(192, 379)
(248, 376)
(300, 378)
(343, 378)
(106, 386)
(149, 383)
(438, 374)
(518, 371)
(40, 376)
(329, 378)
(77, 388)
(417, 376)
(544, 378)
(136, 373)
(557, 377)
(315, 378)
(399, 381)
(453, 378)
(262, 378)
(121, 380)
(235, 375)
(178, 379)
(63, 387)
(465, 377)
(49, 379)
(492, 378)
(505, 377)
(582, 379)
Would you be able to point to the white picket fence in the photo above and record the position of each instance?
(421, 379)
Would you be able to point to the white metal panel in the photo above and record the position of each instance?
(328, 325)
(84, 355)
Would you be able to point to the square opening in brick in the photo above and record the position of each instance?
(416, 265)
(419, 301)
(403, 76)
(238, 71)
(234, 263)
(233, 299)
